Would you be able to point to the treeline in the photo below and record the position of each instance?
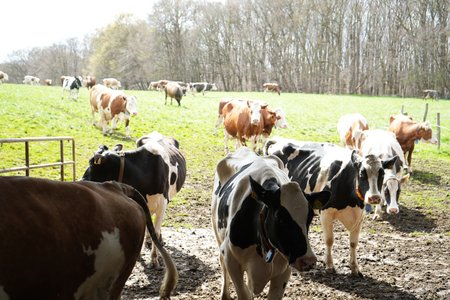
(373, 47)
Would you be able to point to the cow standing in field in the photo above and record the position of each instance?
(202, 87)
(156, 168)
(77, 240)
(48, 82)
(72, 85)
(352, 180)
(3, 77)
(173, 90)
(272, 87)
(384, 145)
(247, 120)
(112, 83)
(350, 128)
(32, 80)
(261, 221)
(90, 82)
(408, 132)
(429, 94)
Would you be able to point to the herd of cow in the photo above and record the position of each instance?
(262, 204)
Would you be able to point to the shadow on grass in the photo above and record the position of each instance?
(410, 220)
(427, 178)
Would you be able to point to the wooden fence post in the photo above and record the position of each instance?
(426, 112)
(438, 130)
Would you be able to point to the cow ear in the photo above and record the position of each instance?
(387, 164)
(356, 159)
(118, 148)
(259, 193)
(319, 199)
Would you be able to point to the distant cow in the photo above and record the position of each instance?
(3, 77)
(281, 121)
(429, 94)
(173, 90)
(272, 87)
(32, 80)
(112, 83)
(353, 181)
(62, 78)
(77, 240)
(72, 85)
(261, 221)
(154, 85)
(247, 120)
(48, 82)
(385, 146)
(202, 87)
(90, 81)
(112, 106)
(350, 128)
(408, 132)
(156, 168)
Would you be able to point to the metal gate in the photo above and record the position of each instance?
(29, 167)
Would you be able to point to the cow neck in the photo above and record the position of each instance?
(122, 165)
(267, 249)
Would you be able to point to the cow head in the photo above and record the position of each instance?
(370, 176)
(104, 165)
(131, 105)
(255, 112)
(425, 133)
(285, 221)
(281, 119)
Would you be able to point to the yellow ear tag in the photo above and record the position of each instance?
(317, 204)
(98, 161)
(253, 195)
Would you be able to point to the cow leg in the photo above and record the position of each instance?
(226, 279)
(352, 218)
(378, 212)
(157, 205)
(218, 122)
(278, 285)
(326, 219)
(127, 128)
(226, 137)
(237, 276)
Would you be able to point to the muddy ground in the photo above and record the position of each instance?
(402, 257)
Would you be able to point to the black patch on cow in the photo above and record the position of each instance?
(223, 194)
(244, 225)
(173, 178)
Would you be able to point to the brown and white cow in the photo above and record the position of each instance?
(90, 81)
(3, 77)
(408, 132)
(245, 120)
(32, 80)
(77, 240)
(350, 128)
(153, 86)
(272, 87)
(48, 82)
(385, 146)
(174, 91)
(112, 106)
(112, 83)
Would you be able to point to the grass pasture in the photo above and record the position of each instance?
(34, 111)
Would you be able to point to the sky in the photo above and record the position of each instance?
(27, 24)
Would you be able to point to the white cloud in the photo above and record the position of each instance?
(28, 24)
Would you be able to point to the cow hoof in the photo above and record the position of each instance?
(357, 274)
(330, 270)
(154, 264)
(376, 217)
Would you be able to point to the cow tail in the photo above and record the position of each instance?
(267, 145)
(171, 275)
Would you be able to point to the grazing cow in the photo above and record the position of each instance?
(408, 132)
(247, 120)
(48, 82)
(350, 128)
(112, 83)
(112, 106)
(352, 180)
(72, 85)
(261, 221)
(90, 81)
(280, 123)
(272, 87)
(154, 85)
(173, 90)
(77, 240)
(384, 145)
(429, 94)
(3, 77)
(32, 80)
(202, 87)
(157, 169)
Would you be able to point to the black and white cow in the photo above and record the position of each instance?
(72, 84)
(385, 146)
(261, 220)
(202, 87)
(157, 169)
(352, 180)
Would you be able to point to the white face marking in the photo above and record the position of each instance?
(109, 260)
(256, 113)
(372, 165)
(392, 185)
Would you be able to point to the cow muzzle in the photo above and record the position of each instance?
(392, 210)
(305, 263)
(374, 199)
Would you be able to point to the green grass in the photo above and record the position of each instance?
(33, 111)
